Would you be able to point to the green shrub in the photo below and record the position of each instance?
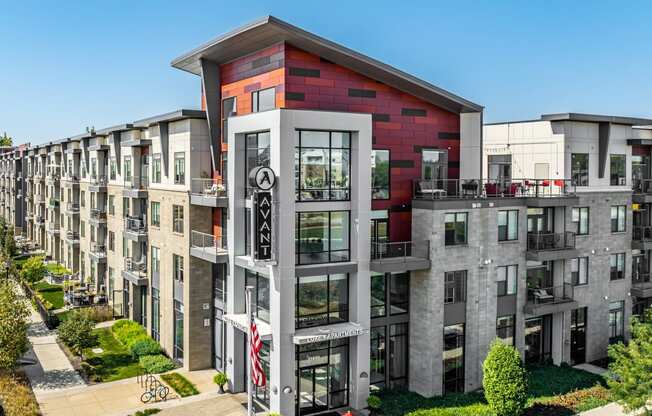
(144, 346)
(147, 412)
(16, 396)
(220, 379)
(180, 384)
(98, 314)
(128, 332)
(505, 380)
(77, 333)
(155, 364)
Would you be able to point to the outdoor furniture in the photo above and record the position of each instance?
(470, 187)
(429, 188)
(542, 296)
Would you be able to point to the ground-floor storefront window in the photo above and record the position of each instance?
(453, 358)
(322, 376)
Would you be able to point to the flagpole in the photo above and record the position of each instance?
(250, 317)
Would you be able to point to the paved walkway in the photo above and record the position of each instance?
(52, 371)
(590, 368)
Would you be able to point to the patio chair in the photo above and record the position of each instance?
(542, 296)
(429, 188)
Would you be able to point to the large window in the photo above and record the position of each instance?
(618, 218)
(617, 266)
(505, 328)
(156, 315)
(126, 168)
(508, 225)
(322, 300)
(453, 358)
(580, 271)
(156, 261)
(257, 152)
(112, 168)
(580, 169)
(322, 165)
(580, 217)
(229, 109)
(322, 237)
(500, 168)
(156, 168)
(380, 174)
(455, 287)
(322, 375)
(179, 168)
(616, 321)
(617, 170)
(263, 100)
(259, 294)
(178, 331)
(389, 291)
(177, 268)
(506, 280)
(156, 214)
(177, 219)
(456, 228)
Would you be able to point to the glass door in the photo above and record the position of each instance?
(379, 236)
(313, 385)
(578, 336)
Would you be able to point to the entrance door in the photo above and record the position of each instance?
(578, 336)
(379, 237)
(538, 341)
(313, 389)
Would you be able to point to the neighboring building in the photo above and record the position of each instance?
(407, 236)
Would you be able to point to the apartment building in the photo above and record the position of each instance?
(405, 236)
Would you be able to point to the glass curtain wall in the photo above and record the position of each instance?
(322, 237)
(322, 166)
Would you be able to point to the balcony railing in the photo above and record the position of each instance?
(72, 235)
(489, 188)
(53, 203)
(207, 242)
(208, 187)
(550, 295)
(642, 186)
(99, 180)
(134, 266)
(135, 225)
(551, 241)
(98, 250)
(72, 207)
(642, 233)
(402, 250)
(640, 277)
(136, 182)
(98, 214)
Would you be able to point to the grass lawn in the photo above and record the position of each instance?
(57, 269)
(180, 384)
(554, 391)
(51, 293)
(114, 363)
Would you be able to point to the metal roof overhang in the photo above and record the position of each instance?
(270, 30)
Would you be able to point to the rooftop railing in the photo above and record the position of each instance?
(551, 241)
(550, 295)
(207, 242)
(208, 187)
(490, 188)
(400, 250)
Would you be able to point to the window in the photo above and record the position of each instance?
(259, 294)
(617, 262)
(617, 170)
(125, 207)
(82, 199)
(616, 321)
(156, 315)
(156, 260)
(127, 168)
(156, 168)
(389, 291)
(82, 229)
(111, 205)
(322, 237)
(322, 165)
(455, 228)
(508, 225)
(506, 280)
(228, 109)
(505, 328)
(618, 218)
(434, 167)
(322, 300)
(179, 168)
(580, 216)
(111, 286)
(156, 214)
(378, 295)
(380, 174)
(257, 152)
(111, 241)
(453, 358)
(500, 168)
(178, 331)
(112, 169)
(177, 268)
(580, 169)
(263, 100)
(378, 355)
(455, 287)
(177, 219)
(580, 271)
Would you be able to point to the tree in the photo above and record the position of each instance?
(10, 244)
(631, 365)
(505, 380)
(13, 325)
(33, 270)
(77, 333)
(6, 140)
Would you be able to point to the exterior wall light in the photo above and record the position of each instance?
(287, 390)
(364, 375)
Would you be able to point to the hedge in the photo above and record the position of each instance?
(145, 346)
(155, 364)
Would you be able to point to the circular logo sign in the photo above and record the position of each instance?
(262, 178)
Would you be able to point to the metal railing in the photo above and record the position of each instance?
(207, 242)
(72, 235)
(490, 188)
(72, 206)
(135, 225)
(136, 266)
(53, 203)
(98, 250)
(98, 214)
(550, 295)
(642, 186)
(40, 198)
(137, 182)
(642, 233)
(400, 250)
(640, 277)
(208, 187)
(550, 241)
(99, 180)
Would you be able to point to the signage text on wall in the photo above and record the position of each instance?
(263, 179)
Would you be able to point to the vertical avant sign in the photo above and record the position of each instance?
(263, 179)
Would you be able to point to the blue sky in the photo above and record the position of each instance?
(70, 64)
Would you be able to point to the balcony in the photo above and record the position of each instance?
(545, 300)
(642, 237)
(72, 208)
(208, 247)
(52, 228)
(70, 180)
(72, 237)
(535, 192)
(551, 246)
(135, 271)
(642, 191)
(98, 252)
(208, 192)
(39, 220)
(98, 216)
(135, 229)
(40, 199)
(53, 203)
(135, 187)
(98, 183)
(641, 284)
(53, 178)
(400, 256)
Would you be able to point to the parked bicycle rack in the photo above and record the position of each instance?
(154, 389)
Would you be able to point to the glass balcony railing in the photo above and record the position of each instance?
(208, 187)
(136, 182)
(207, 242)
(642, 233)
(551, 241)
(489, 188)
(400, 250)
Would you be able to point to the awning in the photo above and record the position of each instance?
(326, 333)
(241, 321)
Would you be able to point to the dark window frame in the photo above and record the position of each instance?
(503, 230)
(329, 251)
(616, 273)
(581, 212)
(255, 100)
(577, 274)
(504, 289)
(328, 313)
(376, 189)
(456, 241)
(580, 174)
(455, 283)
(501, 327)
(621, 214)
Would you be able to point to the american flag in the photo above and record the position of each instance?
(257, 373)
